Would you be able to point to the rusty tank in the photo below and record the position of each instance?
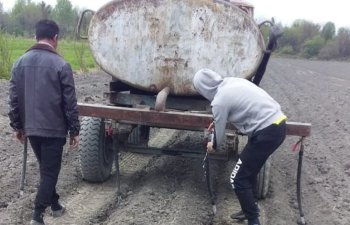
(153, 44)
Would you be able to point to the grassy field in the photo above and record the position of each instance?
(76, 53)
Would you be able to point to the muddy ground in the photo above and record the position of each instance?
(171, 190)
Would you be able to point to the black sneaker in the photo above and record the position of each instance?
(238, 216)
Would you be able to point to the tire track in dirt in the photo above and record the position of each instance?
(173, 191)
(170, 190)
(91, 203)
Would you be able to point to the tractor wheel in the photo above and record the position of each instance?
(95, 150)
(263, 180)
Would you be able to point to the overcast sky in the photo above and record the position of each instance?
(285, 11)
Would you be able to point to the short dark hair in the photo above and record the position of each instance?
(46, 29)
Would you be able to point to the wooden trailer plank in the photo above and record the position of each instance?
(298, 129)
(177, 120)
(169, 119)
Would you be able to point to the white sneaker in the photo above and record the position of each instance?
(33, 222)
(58, 213)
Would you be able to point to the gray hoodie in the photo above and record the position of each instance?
(237, 100)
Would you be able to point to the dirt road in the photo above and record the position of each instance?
(171, 190)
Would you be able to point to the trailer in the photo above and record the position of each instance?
(152, 49)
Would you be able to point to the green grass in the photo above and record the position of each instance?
(70, 51)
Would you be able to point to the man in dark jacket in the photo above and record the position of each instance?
(253, 112)
(43, 107)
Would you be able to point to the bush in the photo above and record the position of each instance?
(312, 47)
(286, 50)
(330, 51)
(5, 57)
(79, 51)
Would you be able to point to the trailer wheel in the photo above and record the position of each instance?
(263, 180)
(139, 134)
(95, 150)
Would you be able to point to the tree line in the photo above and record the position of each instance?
(310, 40)
(302, 38)
(21, 19)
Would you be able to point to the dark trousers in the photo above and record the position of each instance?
(244, 176)
(48, 152)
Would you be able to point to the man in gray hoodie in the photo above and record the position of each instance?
(253, 112)
(43, 107)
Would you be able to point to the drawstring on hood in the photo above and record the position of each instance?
(206, 82)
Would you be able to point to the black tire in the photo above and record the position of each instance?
(139, 134)
(263, 181)
(232, 145)
(95, 150)
(135, 135)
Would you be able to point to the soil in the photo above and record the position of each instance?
(172, 190)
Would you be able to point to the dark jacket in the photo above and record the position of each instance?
(42, 97)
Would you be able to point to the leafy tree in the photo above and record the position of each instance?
(4, 18)
(343, 42)
(31, 15)
(45, 10)
(296, 35)
(64, 15)
(307, 30)
(19, 7)
(290, 38)
(17, 19)
(328, 31)
(24, 15)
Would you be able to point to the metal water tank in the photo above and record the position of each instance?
(152, 44)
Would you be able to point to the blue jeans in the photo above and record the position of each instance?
(48, 152)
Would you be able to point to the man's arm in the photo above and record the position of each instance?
(70, 102)
(14, 115)
(220, 115)
(15, 119)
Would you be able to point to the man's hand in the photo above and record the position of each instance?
(74, 142)
(210, 148)
(21, 136)
(210, 144)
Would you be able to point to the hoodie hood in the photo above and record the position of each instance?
(206, 82)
